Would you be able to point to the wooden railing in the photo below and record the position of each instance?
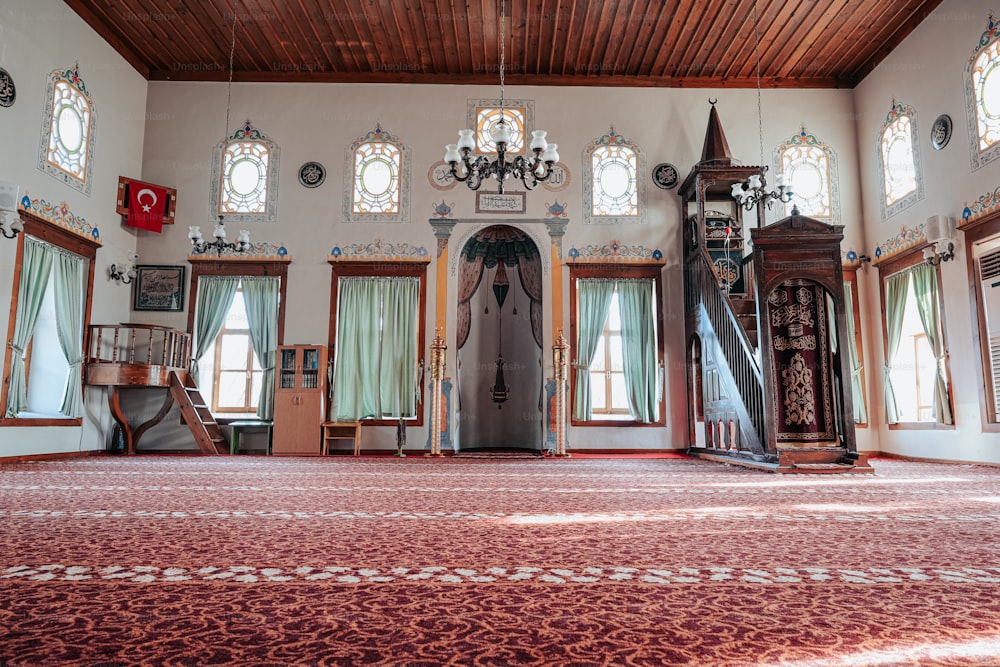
(145, 344)
(704, 290)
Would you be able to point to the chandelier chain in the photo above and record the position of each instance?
(503, 51)
(756, 55)
(229, 92)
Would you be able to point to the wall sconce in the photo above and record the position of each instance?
(124, 274)
(938, 232)
(8, 207)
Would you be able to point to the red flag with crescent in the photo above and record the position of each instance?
(147, 205)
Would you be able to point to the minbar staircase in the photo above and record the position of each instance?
(196, 414)
(124, 356)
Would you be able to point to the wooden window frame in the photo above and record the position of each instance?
(891, 267)
(973, 233)
(239, 267)
(74, 243)
(216, 376)
(378, 270)
(579, 271)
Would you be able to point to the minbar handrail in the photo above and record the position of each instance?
(736, 347)
(118, 344)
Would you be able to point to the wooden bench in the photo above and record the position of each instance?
(342, 431)
(248, 425)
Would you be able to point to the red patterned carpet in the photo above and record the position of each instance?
(347, 561)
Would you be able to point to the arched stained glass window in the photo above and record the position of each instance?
(902, 183)
(245, 176)
(982, 83)
(378, 168)
(613, 190)
(810, 166)
(487, 117)
(376, 177)
(68, 130)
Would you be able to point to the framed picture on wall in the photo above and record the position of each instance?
(158, 288)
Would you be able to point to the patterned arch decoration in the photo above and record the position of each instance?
(982, 96)
(811, 166)
(245, 177)
(614, 191)
(898, 149)
(377, 178)
(500, 247)
(69, 125)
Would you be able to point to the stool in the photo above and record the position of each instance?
(342, 431)
(244, 425)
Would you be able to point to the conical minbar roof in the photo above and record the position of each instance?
(716, 148)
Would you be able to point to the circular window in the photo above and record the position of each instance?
(70, 125)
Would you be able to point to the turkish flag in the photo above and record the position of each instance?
(147, 204)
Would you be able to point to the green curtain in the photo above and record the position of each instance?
(895, 306)
(398, 354)
(356, 375)
(635, 303)
(857, 390)
(925, 289)
(260, 296)
(35, 271)
(67, 278)
(594, 301)
(215, 298)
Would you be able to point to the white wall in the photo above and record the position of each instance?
(319, 121)
(927, 72)
(35, 38)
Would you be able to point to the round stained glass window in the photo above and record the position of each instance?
(376, 176)
(70, 129)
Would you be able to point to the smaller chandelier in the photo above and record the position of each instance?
(124, 274)
(219, 245)
(530, 171)
(754, 191)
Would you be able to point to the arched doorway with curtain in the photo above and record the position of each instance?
(499, 341)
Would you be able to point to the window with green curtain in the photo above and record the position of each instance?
(617, 358)
(376, 369)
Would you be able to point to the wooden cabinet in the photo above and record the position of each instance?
(299, 399)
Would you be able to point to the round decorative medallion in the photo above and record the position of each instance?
(440, 176)
(665, 176)
(7, 92)
(312, 174)
(559, 179)
(941, 132)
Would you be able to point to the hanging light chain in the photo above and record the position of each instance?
(503, 51)
(229, 93)
(756, 55)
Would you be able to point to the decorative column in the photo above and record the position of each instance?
(442, 227)
(438, 360)
(557, 230)
(560, 351)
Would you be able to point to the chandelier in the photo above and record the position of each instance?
(754, 191)
(475, 170)
(219, 244)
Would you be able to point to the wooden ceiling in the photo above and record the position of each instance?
(665, 43)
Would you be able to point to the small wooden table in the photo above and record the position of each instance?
(342, 431)
(248, 424)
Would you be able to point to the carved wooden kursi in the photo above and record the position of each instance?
(798, 274)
